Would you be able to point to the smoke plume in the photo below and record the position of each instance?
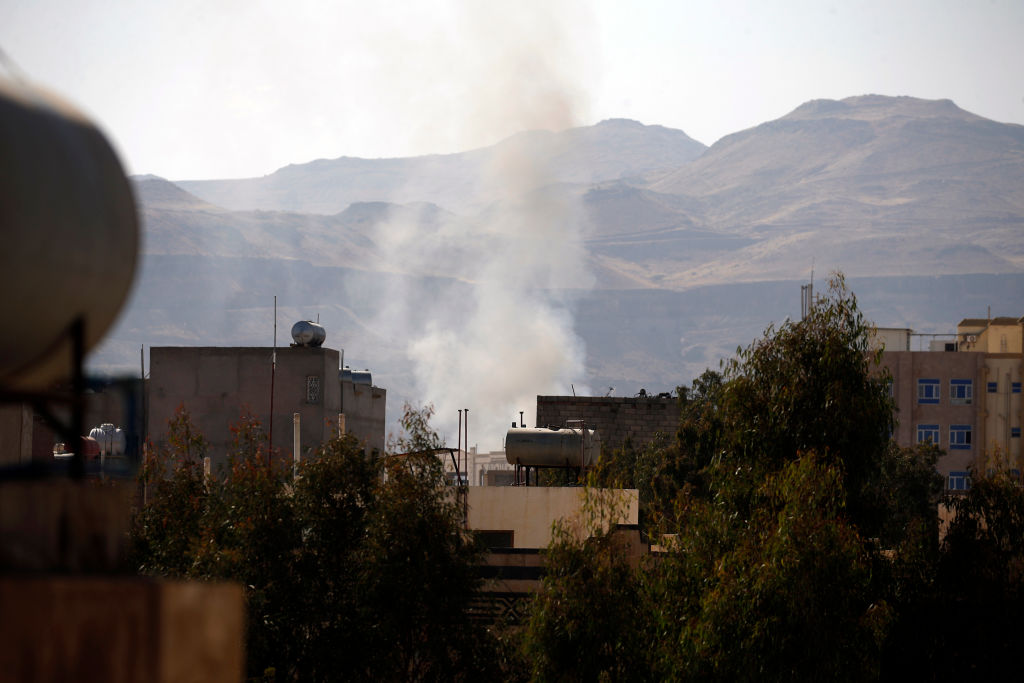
(493, 327)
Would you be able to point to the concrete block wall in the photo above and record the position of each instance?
(364, 408)
(616, 418)
(216, 384)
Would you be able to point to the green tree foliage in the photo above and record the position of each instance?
(357, 569)
(980, 586)
(812, 386)
(788, 520)
(585, 624)
(784, 595)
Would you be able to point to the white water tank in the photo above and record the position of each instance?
(112, 440)
(308, 333)
(551, 447)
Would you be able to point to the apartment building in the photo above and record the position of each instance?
(963, 394)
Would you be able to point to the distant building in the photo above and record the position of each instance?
(481, 469)
(216, 385)
(515, 524)
(964, 395)
(616, 418)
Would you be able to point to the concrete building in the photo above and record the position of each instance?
(616, 418)
(964, 396)
(516, 522)
(216, 385)
(481, 469)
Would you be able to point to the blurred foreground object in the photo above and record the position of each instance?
(70, 232)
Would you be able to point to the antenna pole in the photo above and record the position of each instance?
(273, 372)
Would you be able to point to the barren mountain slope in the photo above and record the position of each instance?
(460, 182)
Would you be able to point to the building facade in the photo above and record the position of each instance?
(217, 385)
(965, 397)
(615, 418)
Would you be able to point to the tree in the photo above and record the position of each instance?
(585, 623)
(357, 569)
(784, 595)
(775, 504)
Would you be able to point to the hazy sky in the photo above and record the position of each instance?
(201, 89)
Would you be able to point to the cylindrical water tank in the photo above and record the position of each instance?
(112, 440)
(347, 374)
(308, 333)
(71, 235)
(547, 447)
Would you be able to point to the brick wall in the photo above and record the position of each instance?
(615, 418)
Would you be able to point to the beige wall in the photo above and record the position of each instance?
(216, 384)
(891, 338)
(907, 367)
(1003, 410)
(1001, 339)
(992, 415)
(529, 511)
(363, 406)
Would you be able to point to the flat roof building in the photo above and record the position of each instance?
(217, 385)
(965, 397)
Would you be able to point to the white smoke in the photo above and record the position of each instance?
(496, 344)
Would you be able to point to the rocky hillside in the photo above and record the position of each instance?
(609, 150)
(661, 255)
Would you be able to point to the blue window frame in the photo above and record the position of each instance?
(1014, 432)
(961, 392)
(993, 387)
(927, 391)
(960, 437)
(959, 481)
(928, 433)
(1015, 387)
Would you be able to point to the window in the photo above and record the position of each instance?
(1015, 388)
(927, 391)
(993, 387)
(1014, 432)
(960, 437)
(928, 433)
(959, 481)
(312, 389)
(961, 391)
(496, 539)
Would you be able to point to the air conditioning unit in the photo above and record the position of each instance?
(971, 339)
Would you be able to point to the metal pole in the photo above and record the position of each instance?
(78, 399)
(465, 493)
(296, 442)
(273, 372)
(459, 450)
(145, 416)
